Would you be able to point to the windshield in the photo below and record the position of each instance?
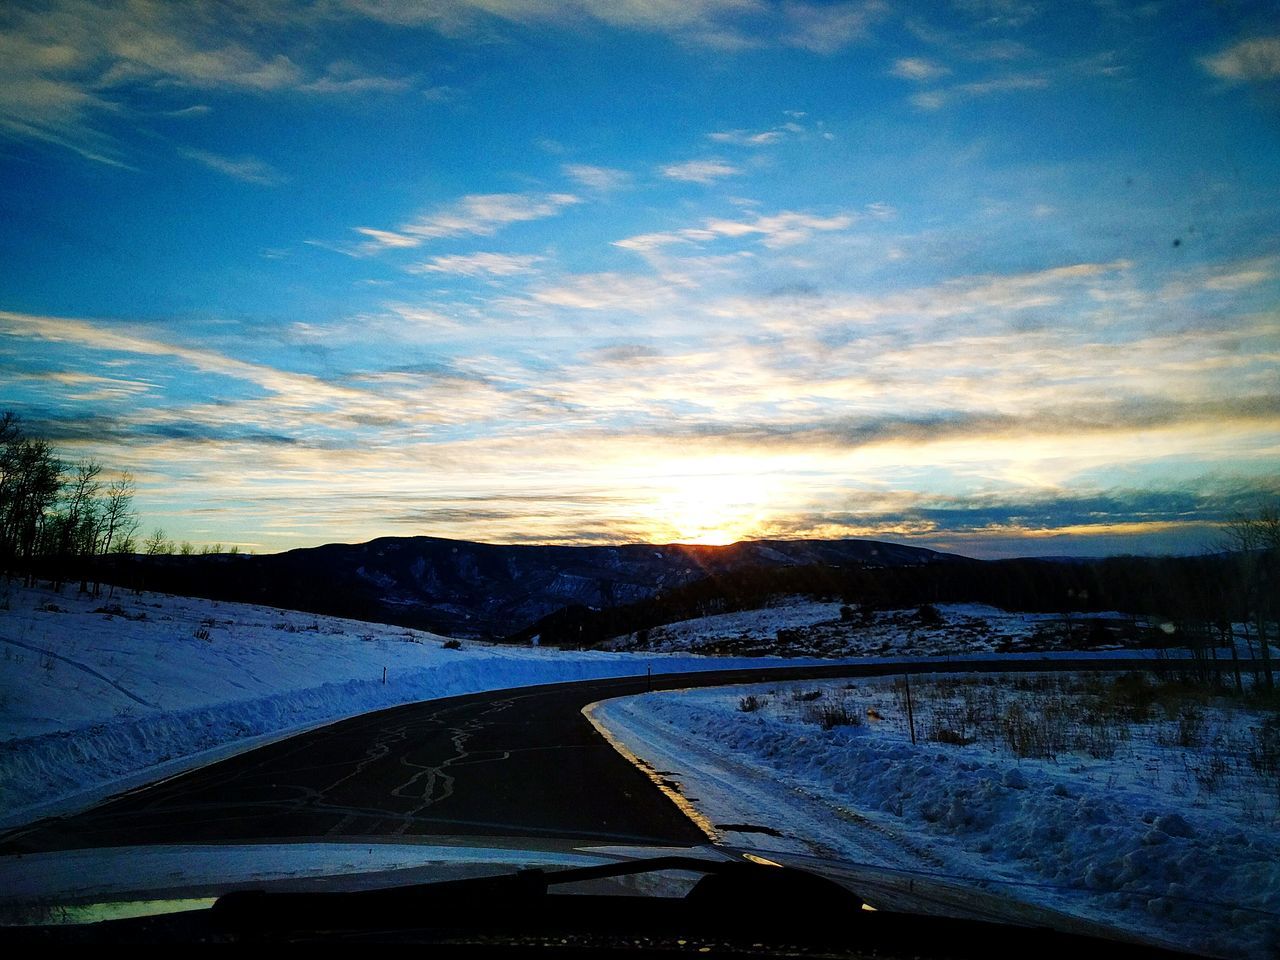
(363, 360)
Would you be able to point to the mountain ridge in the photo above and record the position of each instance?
(467, 588)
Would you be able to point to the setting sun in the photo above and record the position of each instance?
(713, 508)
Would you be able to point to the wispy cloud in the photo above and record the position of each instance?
(486, 213)
(776, 230)
(1026, 521)
(45, 89)
(245, 168)
(82, 387)
(700, 171)
(826, 28)
(747, 138)
(345, 77)
(386, 238)
(918, 69)
(480, 264)
(945, 96)
(819, 27)
(606, 291)
(1001, 14)
(264, 399)
(597, 178)
(766, 138)
(1256, 59)
(964, 45)
(479, 214)
(1124, 416)
(95, 336)
(68, 68)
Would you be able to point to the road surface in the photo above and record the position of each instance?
(521, 762)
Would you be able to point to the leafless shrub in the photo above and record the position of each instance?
(1040, 734)
(1102, 736)
(833, 714)
(1188, 730)
(948, 723)
(1213, 773)
(1264, 752)
(1191, 727)
(751, 703)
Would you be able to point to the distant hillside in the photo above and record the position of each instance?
(476, 589)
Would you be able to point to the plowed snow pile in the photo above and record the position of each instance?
(1117, 799)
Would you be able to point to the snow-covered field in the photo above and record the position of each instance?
(803, 627)
(101, 694)
(1050, 788)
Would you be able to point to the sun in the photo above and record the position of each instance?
(712, 509)
(714, 538)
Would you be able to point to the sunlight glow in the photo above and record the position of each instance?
(715, 508)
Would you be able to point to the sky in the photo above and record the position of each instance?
(989, 276)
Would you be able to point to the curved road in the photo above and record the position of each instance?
(521, 762)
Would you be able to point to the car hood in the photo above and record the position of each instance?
(112, 882)
(88, 885)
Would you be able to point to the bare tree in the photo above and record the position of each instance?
(157, 544)
(50, 521)
(31, 479)
(118, 524)
(78, 520)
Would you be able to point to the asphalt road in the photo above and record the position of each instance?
(521, 762)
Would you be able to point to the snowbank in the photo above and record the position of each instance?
(1121, 848)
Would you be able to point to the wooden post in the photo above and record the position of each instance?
(911, 718)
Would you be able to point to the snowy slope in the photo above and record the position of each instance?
(99, 694)
(800, 626)
(1155, 839)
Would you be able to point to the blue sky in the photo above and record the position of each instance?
(996, 277)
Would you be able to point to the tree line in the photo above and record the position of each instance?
(57, 519)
